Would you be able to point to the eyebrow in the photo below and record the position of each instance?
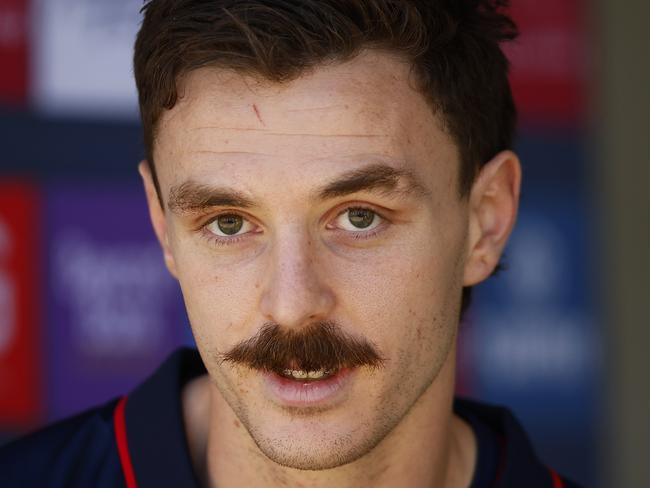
(376, 177)
(192, 197)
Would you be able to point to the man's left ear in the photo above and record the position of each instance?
(493, 204)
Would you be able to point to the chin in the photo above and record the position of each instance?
(316, 456)
(318, 444)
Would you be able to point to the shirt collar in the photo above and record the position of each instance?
(154, 423)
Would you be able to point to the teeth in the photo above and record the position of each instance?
(303, 375)
(316, 374)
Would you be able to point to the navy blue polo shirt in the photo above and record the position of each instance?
(139, 441)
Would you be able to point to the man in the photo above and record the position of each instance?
(327, 180)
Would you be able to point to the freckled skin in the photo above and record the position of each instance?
(400, 289)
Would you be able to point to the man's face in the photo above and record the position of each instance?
(332, 199)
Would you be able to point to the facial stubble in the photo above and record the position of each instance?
(369, 431)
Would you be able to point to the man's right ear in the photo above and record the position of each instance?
(157, 215)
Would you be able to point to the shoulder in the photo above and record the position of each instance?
(517, 461)
(142, 439)
(78, 451)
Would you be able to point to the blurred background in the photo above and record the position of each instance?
(87, 309)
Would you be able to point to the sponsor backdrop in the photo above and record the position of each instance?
(87, 308)
(112, 307)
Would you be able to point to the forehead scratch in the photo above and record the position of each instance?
(257, 113)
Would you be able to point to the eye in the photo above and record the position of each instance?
(356, 219)
(226, 225)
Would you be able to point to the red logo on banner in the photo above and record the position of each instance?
(549, 60)
(20, 297)
(13, 51)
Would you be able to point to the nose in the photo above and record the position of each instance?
(294, 293)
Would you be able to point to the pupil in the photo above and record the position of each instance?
(361, 217)
(230, 224)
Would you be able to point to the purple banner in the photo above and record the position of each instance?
(114, 312)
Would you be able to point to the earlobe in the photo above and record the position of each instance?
(157, 215)
(493, 205)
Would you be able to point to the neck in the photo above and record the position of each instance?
(429, 447)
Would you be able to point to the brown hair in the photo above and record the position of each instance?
(453, 46)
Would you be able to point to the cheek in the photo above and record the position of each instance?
(411, 283)
(220, 297)
(408, 299)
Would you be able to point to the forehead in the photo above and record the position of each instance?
(337, 112)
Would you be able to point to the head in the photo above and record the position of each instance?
(327, 179)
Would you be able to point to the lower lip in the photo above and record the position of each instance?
(292, 393)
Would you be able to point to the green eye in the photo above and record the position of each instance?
(230, 224)
(361, 218)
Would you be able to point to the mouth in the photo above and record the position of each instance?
(300, 388)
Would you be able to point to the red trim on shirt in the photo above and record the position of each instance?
(119, 423)
(557, 481)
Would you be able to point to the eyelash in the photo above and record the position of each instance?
(228, 241)
(221, 241)
(212, 238)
